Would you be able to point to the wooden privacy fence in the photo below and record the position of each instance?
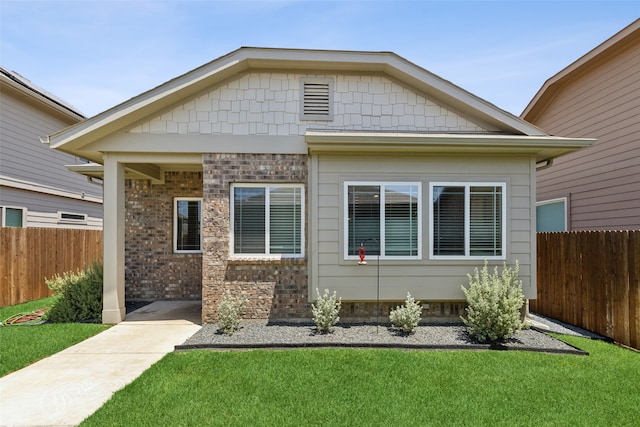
(591, 279)
(28, 255)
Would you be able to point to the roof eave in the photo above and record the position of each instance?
(219, 70)
(33, 93)
(550, 87)
(543, 147)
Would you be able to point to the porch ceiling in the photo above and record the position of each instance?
(152, 171)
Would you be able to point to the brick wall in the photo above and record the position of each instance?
(152, 270)
(274, 289)
(436, 312)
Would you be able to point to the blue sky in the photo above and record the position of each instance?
(96, 54)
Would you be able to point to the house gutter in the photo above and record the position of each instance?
(546, 165)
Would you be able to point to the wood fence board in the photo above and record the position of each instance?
(28, 255)
(591, 280)
(634, 289)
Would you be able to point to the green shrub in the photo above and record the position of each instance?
(78, 296)
(494, 303)
(229, 311)
(325, 311)
(407, 316)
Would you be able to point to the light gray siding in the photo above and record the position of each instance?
(32, 172)
(426, 279)
(43, 209)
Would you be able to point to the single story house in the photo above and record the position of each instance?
(264, 171)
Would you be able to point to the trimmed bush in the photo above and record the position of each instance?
(495, 300)
(229, 311)
(325, 311)
(407, 316)
(78, 296)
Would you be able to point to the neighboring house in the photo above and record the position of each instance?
(263, 171)
(36, 190)
(598, 96)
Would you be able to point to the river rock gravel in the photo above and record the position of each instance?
(254, 334)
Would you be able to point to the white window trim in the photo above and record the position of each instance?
(62, 220)
(382, 242)
(558, 200)
(311, 117)
(467, 224)
(266, 219)
(20, 208)
(175, 224)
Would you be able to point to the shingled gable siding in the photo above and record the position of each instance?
(152, 270)
(275, 289)
(262, 103)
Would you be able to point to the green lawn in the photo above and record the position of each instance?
(22, 345)
(382, 388)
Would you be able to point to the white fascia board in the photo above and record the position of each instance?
(73, 139)
(459, 98)
(127, 113)
(544, 147)
(19, 184)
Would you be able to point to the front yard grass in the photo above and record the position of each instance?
(381, 388)
(23, 345)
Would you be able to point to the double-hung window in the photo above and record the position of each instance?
(267, 220)
(467, 220)
(384, 217)
(187, 225)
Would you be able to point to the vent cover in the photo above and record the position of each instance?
(317, 99)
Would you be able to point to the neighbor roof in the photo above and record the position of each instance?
(25, 86)
(609, 48)
(246, 58)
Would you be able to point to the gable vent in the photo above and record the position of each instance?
(316, 99)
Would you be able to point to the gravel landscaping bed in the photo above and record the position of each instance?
(255, 334)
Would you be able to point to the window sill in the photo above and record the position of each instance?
(248, 260)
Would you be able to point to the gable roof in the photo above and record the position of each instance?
(247, 58)
(26, 87)
(604, 51)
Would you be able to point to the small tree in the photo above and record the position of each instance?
(494, 303)
(325, 311)
(407, 316)
(229, 311)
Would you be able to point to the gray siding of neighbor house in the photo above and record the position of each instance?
(601, 183)
(428, 280)
(42, 209)
(26, 161)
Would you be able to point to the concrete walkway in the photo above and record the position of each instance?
(64, 389)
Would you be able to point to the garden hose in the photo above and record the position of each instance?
(31, 318)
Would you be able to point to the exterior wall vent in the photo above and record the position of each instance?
(317, 99)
